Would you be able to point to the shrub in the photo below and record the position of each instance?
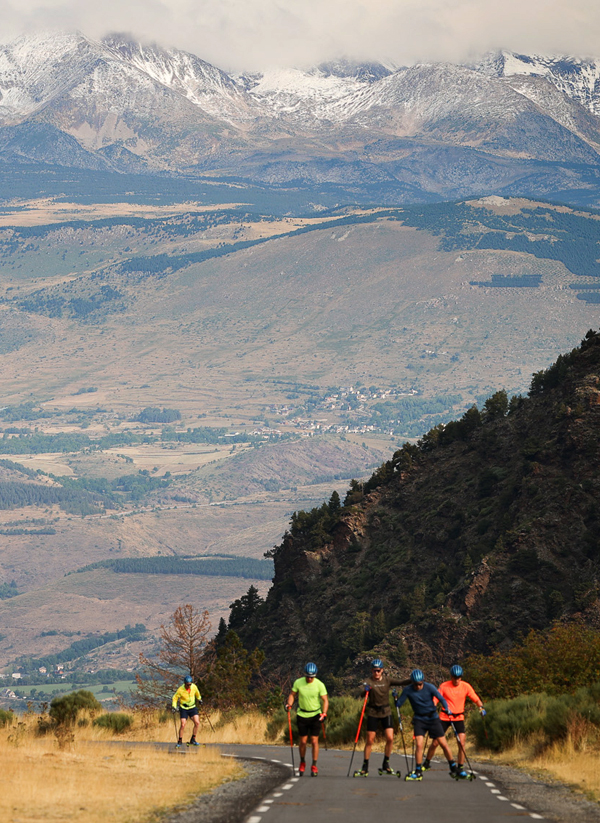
(64, 710)
(551, 717)
(6, 718)
(117, 722)
(557, 661)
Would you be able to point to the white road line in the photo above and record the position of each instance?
(490, 784)
(294, 779)
(536, 816)
(499, 796)
(254, 819)
(495, 791)
(277, 794)
(267, 801)
(516, 806)
(287, 786)
(263, 809)
(275, 761)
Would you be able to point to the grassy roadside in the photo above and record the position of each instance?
(574, 762)
(99, 783)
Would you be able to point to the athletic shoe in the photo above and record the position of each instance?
(301, 769)
(426, 764)
(462, 774)
(314, 771)
(193, 743)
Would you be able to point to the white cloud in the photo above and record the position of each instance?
(254, 34)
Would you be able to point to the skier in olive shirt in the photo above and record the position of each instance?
(379, 713)
(421, 697)
(311, 694)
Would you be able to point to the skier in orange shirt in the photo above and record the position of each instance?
(455, 691)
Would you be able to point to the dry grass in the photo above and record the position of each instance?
(574, 761)
(100, 782)
(249, 727)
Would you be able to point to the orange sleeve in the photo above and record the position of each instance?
(472, 694)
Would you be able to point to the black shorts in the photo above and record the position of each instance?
(308, 726)
(433, 725)
(459, 725)
(373, 723)
(185, 713)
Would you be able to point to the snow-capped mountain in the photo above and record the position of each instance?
(441, 128)
(578, 78)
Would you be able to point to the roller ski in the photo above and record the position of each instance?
(193, 743)
(417, 774)
(461, 774)
(361, 773)
(388, 770)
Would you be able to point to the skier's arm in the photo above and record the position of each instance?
(324, 705)
(402, 683)
(472, 695)
(290, 700)
(403, 697)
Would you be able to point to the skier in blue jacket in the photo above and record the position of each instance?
(426, 719)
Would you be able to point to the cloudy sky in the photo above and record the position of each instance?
(256, 34)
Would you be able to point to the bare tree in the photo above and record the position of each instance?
(183, 650)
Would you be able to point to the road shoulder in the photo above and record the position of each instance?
(550, 798)
(232, 801)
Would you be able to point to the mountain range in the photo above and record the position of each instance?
(507, 124)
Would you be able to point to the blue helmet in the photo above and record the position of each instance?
(417, 676)
(456, 671)
(376, 664)
(310, 669)
(188, 679)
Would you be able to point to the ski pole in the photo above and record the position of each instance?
(289, 714)
(462, 748)
(175, 724)
(362, 714)
(207, 717)
(395, 694)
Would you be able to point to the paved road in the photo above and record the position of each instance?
(334, 797)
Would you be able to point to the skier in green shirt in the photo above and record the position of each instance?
(313, 704)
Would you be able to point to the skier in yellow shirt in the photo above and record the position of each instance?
(187, 697)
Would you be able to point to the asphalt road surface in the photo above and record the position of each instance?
(332, 796)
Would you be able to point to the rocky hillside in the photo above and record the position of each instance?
(486, 528)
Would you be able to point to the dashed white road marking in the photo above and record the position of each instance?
(277, 794)
(263, 809)
(495, 791)
(275, 761)
(490, 784)
(516, 806)
(499, 796)
(254, 819)
(268, 801)
(536, 816)
(287, 786)
(294, 779)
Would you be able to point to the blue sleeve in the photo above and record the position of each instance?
(440, 698)
(403, 697)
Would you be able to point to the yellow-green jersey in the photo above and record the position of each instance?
(186, 697)
(309, 696)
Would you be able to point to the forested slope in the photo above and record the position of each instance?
(485, 529)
